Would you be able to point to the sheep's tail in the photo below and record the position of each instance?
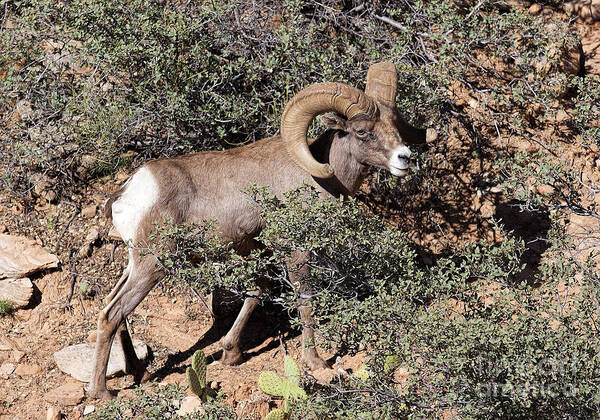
(114, 197)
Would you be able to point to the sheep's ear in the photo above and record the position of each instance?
(334, 121)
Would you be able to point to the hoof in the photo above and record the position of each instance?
(102, 394)
(141, 376)
(315, 363)
(231, 358)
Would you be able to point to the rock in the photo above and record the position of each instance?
(92, 235)
(16, 356)
(89, 211)
(16, 291)
(113, 234)
(324, 375)
(20, 257)
(68, 394)
(42, 187)
(91, 338)
(487, 209)
(88, 409)
(545, 189)
(53, 413)
(7, 344)
(561, 116)
(535, 9)
(27, 370)
(6, 369)
(85, 251)
(190, 405)
(77, 360)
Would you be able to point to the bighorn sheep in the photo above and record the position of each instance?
(365, 130)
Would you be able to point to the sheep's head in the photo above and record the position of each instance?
(376, 132)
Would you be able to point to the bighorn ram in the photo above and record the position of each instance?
(365, 130)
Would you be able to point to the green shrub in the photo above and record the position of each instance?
(6, 307)
(158, 403)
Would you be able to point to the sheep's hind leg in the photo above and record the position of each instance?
(232, 355)
(142, 278)
(133, 365)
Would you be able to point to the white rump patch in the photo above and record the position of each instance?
(141, 192)
(399, 162)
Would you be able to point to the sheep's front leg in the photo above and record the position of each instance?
(298, 269)
(309, 351)
(232, 355)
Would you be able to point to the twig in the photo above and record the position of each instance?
(67, 305)
(64, 230)
(392, 22)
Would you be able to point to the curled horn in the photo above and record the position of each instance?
(306, 105)
(382, 83)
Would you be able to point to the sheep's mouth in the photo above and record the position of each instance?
(398, 171)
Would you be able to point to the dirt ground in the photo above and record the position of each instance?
(173, 325)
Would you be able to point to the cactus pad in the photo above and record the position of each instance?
(362, 374)
(193, 382)
(292, 371)
(199, 366)
(291, 391)
(271, 384)
(277, 414)
(391, 362)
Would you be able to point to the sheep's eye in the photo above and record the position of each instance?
(361, 133)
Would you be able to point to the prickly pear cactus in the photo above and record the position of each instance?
(277, 414)
(292, 371)
(391, 362)
(363, 374)
(289, 389)
(199, 366)
(193, 382)
(270, 383)
(196, 376)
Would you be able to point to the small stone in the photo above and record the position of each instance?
(27, 370)
(91, 338)
(535, 9)
(6, 369)
(561, 116)
(68, 394)
(88, 409)
(487, 209)
(16, 291)
(92, 235)
(17, 355)
(53, 413)
(85, 251)
(545, 189)
(89, 211)
(2, 228)
(324, 375)
(190, 405)
(113, 234)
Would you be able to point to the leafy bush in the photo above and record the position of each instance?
(160, 403)
(472, 337)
